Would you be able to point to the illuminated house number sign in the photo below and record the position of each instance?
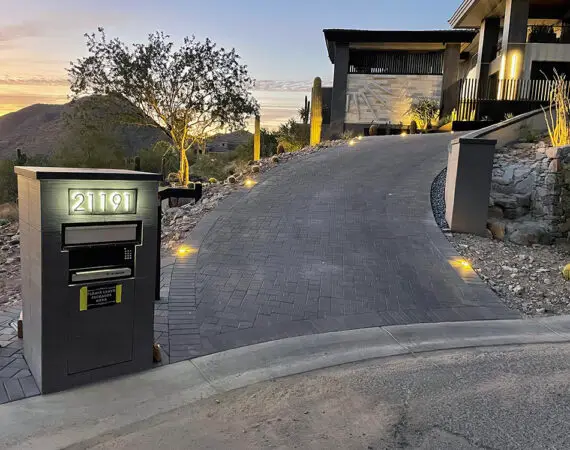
(102, 201)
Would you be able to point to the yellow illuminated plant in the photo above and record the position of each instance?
(316, 112)
(558, 114)
(257, 139)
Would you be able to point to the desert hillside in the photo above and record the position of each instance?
(39, 129)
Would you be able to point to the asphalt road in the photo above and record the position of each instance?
(514, 397)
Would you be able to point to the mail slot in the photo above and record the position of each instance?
(101, 252)
(88, 252)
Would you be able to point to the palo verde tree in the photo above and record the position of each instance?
(189, 92)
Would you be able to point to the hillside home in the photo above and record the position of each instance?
(494, 62)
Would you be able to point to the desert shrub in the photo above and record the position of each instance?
(8, 184)
(8, 213)
(210, 166)
(236, 166)
(293, 136)
(444, 120)
(424, 110)
(558, 113)
(8, 178)
(268, 146)
(349, 134)
(151, 158)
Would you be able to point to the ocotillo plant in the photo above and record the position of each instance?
(257, 139)
(316, 112)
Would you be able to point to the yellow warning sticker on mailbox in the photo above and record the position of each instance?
(97, 297)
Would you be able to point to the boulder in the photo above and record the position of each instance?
(495, 212)
(497, 228)
(555, 165)
(528, 233)
(553, 152)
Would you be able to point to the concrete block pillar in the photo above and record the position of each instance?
(340, 81)
(449, 96)
(514, 39)
(468, 184)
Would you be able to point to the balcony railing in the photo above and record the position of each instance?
(548, 34)
(473, 100)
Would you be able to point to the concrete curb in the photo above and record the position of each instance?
(87, 413)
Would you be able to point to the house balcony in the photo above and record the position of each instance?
(548, 34)
(495, 99)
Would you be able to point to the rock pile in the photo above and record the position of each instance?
(9, 264)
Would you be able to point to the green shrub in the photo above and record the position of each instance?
(348, 135)
(151, 158)
(424, 110)
(210, 166)
(293, 136)
(8, 179)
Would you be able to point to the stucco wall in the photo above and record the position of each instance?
(383, 98)
(545, 52)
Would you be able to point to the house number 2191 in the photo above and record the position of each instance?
(102, 201)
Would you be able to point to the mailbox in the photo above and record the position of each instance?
(88, 242)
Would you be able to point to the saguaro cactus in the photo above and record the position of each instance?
(257, 139)
(316, 112)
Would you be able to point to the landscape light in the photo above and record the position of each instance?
(185, 250)
(352, 142)
(249, 182)
(404, 133)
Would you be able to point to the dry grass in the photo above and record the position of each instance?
(558, 114)
(8, 212)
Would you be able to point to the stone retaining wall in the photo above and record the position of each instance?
(530, 194)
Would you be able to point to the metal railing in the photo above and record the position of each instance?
(395, 62)
(473, 99)
(548, 34)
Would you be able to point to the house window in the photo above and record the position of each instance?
(396, 63)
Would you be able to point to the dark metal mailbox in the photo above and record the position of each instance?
(88, 253)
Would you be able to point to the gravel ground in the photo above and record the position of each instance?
(438, 199)
(528, 279)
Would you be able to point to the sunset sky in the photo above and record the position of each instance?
(281, 42)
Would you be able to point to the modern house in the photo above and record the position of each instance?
(493, 62)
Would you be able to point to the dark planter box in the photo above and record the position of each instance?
(174, 193)
(468, 125)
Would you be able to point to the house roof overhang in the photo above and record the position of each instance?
(334, 36)
(471, 13)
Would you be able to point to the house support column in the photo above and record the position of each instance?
(488, 40)
(514, 39)
(340, 81)
(449, 89)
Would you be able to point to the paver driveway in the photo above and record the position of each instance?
(343, 239)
